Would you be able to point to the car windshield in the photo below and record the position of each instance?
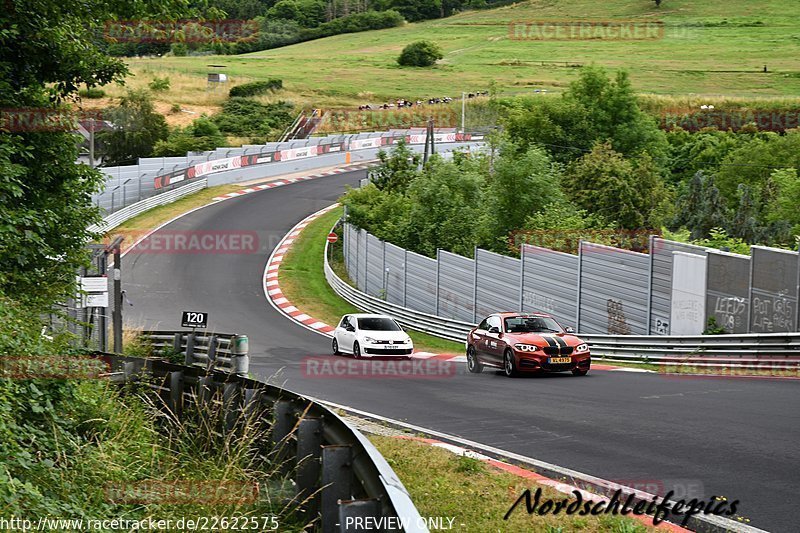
(532, 324)
(378, 324)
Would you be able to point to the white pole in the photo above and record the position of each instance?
(463, 111)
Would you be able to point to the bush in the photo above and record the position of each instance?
(201, 136)
(369, 20)
(242, 117)
(159, 84)
(420, 54)
(92, 92)
(255, 88)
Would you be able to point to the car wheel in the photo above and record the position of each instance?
(473, 364)
(579, 372)
(509, 367)
(335, 346)
(356, 350)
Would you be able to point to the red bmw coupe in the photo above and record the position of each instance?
(526, 343)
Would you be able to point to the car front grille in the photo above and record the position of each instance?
(388, 351)
(556, 350)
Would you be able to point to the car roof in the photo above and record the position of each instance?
(509, 314)
(368, 315)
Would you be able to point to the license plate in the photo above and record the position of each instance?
(557, 360)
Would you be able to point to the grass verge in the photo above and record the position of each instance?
(478, 495)
(302, 281)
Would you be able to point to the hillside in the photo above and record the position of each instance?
(708, 49)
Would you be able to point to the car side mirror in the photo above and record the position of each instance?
(494, 329)
(569, 329)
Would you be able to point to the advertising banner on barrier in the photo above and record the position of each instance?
(360, 144)
(298, 153)
(199, 170)
(217, 165)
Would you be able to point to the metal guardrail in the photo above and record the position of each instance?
(212, 350)
(777, 350)
(118, 217)
(337, 471)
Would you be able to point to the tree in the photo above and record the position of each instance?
(200, 136)
(445, 208)
(397, 169)
(700, 207)
(605, 184)
(594, 109)
(784, 208)
(137, 127)
(48, 51)
(420, 54)
(520, 185)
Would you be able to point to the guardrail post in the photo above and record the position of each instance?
(176, 393)
(176, 343)
(205, 391)
(240, 358)
(337, 478)
(352, 510)
(190, 338)
(281, 428)
(212, 350)
(309, 454)
(231, 400)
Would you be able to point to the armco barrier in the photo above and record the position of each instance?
(778, 350)
(118, 217)
(337, 471)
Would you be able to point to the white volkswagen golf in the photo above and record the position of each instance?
(366, 335)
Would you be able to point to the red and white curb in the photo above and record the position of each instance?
(272, 289)
(278, 300)
(539, 479)
(287, 181)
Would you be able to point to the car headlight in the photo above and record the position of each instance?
(526, 347)
(407, 340)
(370, 340)
(582, 348)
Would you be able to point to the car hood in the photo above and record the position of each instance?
(384, 335)
(545, 339)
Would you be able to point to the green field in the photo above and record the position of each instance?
(708, 50)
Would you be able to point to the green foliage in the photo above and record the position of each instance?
(92, 93)
(784, 209)
(307, 13)
(201, 135)
(519, 186)
(420, 54)
(559, 226)
(244, 117)
(255, 88)
(712, 328)
(700, 208)
(396, 171)
(627, 192)
(158, 85)
(137, 129)
(594, 108)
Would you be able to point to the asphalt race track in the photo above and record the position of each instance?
(739, 438)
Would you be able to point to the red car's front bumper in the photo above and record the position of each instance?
(527, 362)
